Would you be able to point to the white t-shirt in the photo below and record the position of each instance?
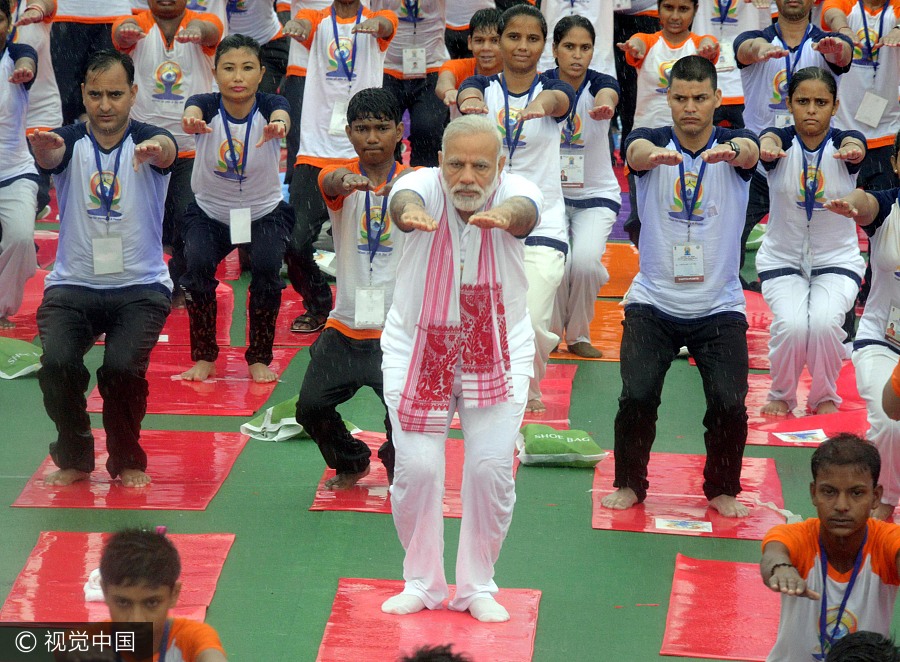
(460, 11)
(77, 11)
(298, 54)
(216, 178)
(599, 13)
(885, 282)
(254, 18)
(421, 25)
(44, 107)
(16, 160)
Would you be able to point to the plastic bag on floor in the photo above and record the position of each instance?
(541, 445)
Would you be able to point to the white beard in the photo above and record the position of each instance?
(467, 204)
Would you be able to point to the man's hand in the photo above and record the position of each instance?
(45, 141)
(297, 30)
(190, 34)
(829, 45)
(415, 217)
(891, 39)
(369, 26)
(785, 579)
(353, 182)
(491, 219)
(194, 125)
(129, 33)
(149, 150)
(771, 51)
(851, 151)
(274, 129)
(603, 112)
(718, 154)
(662, 156)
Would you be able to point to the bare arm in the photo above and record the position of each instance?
(644, 155)
(342, 181)
(605, 102)
(549, 103)
(377, 25)
(159, 151)
(746, 156)
(836, 21)
(517, 215)
(757, 50)
(446, 85)
(49, 148)
(408, 212)
(198, 31)
(24, 70)
(834, 50)
(298, 30)
(858, 205)
(770, 147)
(277, 128)
(37, 11)
(780, 575)
(473, 100)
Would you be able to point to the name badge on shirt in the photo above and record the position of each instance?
(783, 118)
(571, 170)
(108, 255)
(414, 62)
(338, 123)
(688, 263)
(892, 330)
(369, 312)
(239, 225)
(726, 57)
(871, 110)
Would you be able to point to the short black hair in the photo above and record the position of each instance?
(6, 10)
(847, 449)
(812, 73)
(864, 646)
(373, 103)
(522, 10)
(436, 654)
(567, 23)
(108, 58)
(233, 42)
(485, 20)
(136, 556)
(695, 69)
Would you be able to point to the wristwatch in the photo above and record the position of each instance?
(734, 148)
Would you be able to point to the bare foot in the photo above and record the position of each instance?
(826, 407)
(201, 371)
(66, 477)
(402, 604)
(488, 610)
(345, 481)
(884, 512)
(6, 323)
(261, 374)
(622, 499)
(535, 407)
(728, 506)
(134, 478)
(775, 408)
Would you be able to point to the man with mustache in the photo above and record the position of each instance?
(458, 337)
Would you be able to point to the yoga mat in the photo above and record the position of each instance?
(761, 431)
(357, 629)
(606, 332)
(621, 261)
(50, 587)
(46, 242)
(230, 267)
(675, 502)
(177, 328)
(556, 393)
(230, 393)
(760, 384)
(371, 495)
(187, 469)
(759, 317)
(26, 318)
(720, 610)
(291, 306)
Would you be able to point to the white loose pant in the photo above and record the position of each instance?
(544, 268)
(806, 330)
(17, 255)
(585, 274)
(874, 365)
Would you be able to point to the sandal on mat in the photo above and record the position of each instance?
(307, 323)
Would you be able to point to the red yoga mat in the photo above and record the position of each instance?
(230, 267)
(760, 385)
(291, 307)
(46, 242)
(187, 469)
(622, 262)
(26, 319)
(675, 502)
(230, 393)
(358, 630)
(371, 495)
(606, 332)
(759, 317)
(556, 391)
(720, 610)
(763, 433)
(177, 328)
(50, 587)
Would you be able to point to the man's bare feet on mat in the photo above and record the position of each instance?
(535, 406)
(622, 499)
(826, 407)
(402, 604)
(488, 610)
(66, 477)
(728, 506)
(345, 481)
(201, 371)
(261, 373)
(884, 512)
(6, 323)
(134, 478)
(775, 408)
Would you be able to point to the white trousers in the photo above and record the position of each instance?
(18, 260)
(544, 268)
(874, 365)
(585, 274)
(806, 330)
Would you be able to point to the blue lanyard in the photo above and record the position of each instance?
(569, 129)
(412, 10)
(724, 8)
(788, 67)
(865, 22)
(374, 243)
(242, 169)
(809, 192)
(824, 637)
(690, 200)
(512, 143)
(339, 52)
(163, 646)
(108, 193)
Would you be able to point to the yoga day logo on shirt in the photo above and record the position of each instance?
(229, 165)
(168, 78)
(679, 211)
(96, 207)
(815, 179)
(336, 52)
(514, 115)
(571, 133)
(779, 91)
(862, 55)
(848, 625)
(197, 5)
(730, 13)
(233, 6)
(665, 71)
(385, 245)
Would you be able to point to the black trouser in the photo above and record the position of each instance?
(339, 366)
(730, 116)
(69, 321)
(292, 90)
(274, 57)
(71, 45)
(649, 345)
(457, 42)
(427, 116)
(180, 195)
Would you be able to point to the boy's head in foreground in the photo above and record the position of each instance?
(374, 125)
(864, 646)
(845, 489)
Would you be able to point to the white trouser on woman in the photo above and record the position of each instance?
(17, 255)
(544, 267)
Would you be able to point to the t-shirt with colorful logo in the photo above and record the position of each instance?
(599, 13)
(421, 25)
(17, 160)
(253, 18)
(44, 107)
(298, 54)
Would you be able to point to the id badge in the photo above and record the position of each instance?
(239, 225)
(892, 330)
(726, 57)
(414, 62)
(571, 170)
(108, 255)
(783, 118)
(871, 110)
(338, 123)
(688, 263)
(369, 312)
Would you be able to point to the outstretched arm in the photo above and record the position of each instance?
(780, 575)
(757, 50)
(858, 205)
(644, 155)
(517, 215)
(48, 147)
(408, 212)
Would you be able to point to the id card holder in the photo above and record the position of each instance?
(239, 225)
(338, 122)
(871, 110)
(726, 57)
(107, 255)
(571, 170)
(369, 313)
(783, 118)
(892, 330)
(414, 62)
(687, 261)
